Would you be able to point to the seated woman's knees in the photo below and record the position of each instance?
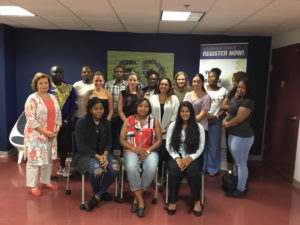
(98, 171)
(115, 165)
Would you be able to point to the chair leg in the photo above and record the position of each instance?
(68, 191)
(167, 190)
(116, 187)
(20, 156)
(82, 206)
(202, 191)
(122, 187)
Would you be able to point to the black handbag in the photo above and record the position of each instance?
(229, 182)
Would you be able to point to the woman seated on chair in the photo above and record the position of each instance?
(140, 136)
(93, 150)
(185, 142)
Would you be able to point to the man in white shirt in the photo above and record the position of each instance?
(81, 88)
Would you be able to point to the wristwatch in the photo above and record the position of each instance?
(148, 152)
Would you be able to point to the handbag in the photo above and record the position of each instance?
(229, 182)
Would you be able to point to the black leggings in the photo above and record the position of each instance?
(64, 144)
(193, 174)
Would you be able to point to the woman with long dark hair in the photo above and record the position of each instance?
(185, 144)
(93, 155)
(241, 135)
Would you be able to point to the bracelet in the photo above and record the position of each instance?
(133, 148)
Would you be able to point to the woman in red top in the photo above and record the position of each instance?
(140, 136)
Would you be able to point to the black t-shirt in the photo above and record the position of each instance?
(243, 129)
(129, 110)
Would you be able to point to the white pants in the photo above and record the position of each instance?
(32, 171)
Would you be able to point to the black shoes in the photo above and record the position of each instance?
(107, 197)
(235, 194)
(134, 207)
(171, 212)
(91, 203)
(140, 212)
(197, 213)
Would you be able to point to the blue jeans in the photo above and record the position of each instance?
(100, 180)
(239, 148)
(212, 150)
(132, 165)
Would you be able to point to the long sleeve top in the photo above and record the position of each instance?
(181, 153)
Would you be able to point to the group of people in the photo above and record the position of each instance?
(162, 122)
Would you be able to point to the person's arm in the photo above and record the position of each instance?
(74, 106)
(120, 107)
(241, 115)
(201, 115)
(81, 144)
(110, 106)
(123, 140)
(205, 108)
(225, 105)
(85, 100)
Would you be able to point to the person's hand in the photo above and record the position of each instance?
(180, 163)
(143, 155)
(139, 150)
(56, 130)
(186, 162)
(50, 134)
(103, 161)
(225, 124)
(212, 119)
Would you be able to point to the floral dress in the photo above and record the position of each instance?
(35, 143)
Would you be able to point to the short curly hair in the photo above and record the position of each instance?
(36, 78)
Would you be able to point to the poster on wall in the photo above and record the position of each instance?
(229, 57)
(140, 63)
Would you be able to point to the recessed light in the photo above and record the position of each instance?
(181, 16)
(14, 11)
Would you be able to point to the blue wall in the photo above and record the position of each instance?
(38, 50)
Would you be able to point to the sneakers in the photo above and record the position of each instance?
(235, 194)
(92, 203)
(62, 171)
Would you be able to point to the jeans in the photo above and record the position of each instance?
(193, 174)
(99, 179)
(132, 165)
(239, 148)
(212, 150)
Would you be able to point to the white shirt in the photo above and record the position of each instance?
(217, 98)
(170, 110)
(182, 152)
(81, 89)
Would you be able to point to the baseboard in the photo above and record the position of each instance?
(4, 154)
(296, 184)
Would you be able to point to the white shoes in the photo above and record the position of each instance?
(62, 171)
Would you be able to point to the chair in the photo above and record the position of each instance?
(123, 169)
(16, 137)
(68, 190)
(167, 190)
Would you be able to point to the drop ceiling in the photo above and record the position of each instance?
(223, 17)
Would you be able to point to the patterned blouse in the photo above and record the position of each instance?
(35, 143)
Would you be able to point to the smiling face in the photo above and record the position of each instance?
(164, 86)
(97, 111)
(98, 81)
(86, 74)
(234, 81)
(42, 85)
(119, 73)
(197, 83)
(143, 109)
(152, 80)
(180, 80)
(132, 81)
(241, 89)
(185, 113)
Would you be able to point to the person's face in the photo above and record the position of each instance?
(56, 74)
(98, 81)
(185, 113)
(241, 89)
(97, 111)
(152, 80)
(197, 83)
(86, 74)
(132, 81)
(119, 73)
(143, 109)
(234, 81)
(212, 78)
(43, 85)
(164, 86)
(180, 80)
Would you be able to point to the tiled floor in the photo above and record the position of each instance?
(271, 200)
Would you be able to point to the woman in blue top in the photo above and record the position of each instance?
(241, 135)
(185, 143)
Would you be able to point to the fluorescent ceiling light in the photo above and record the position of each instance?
(175, 16)
(14, 11)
